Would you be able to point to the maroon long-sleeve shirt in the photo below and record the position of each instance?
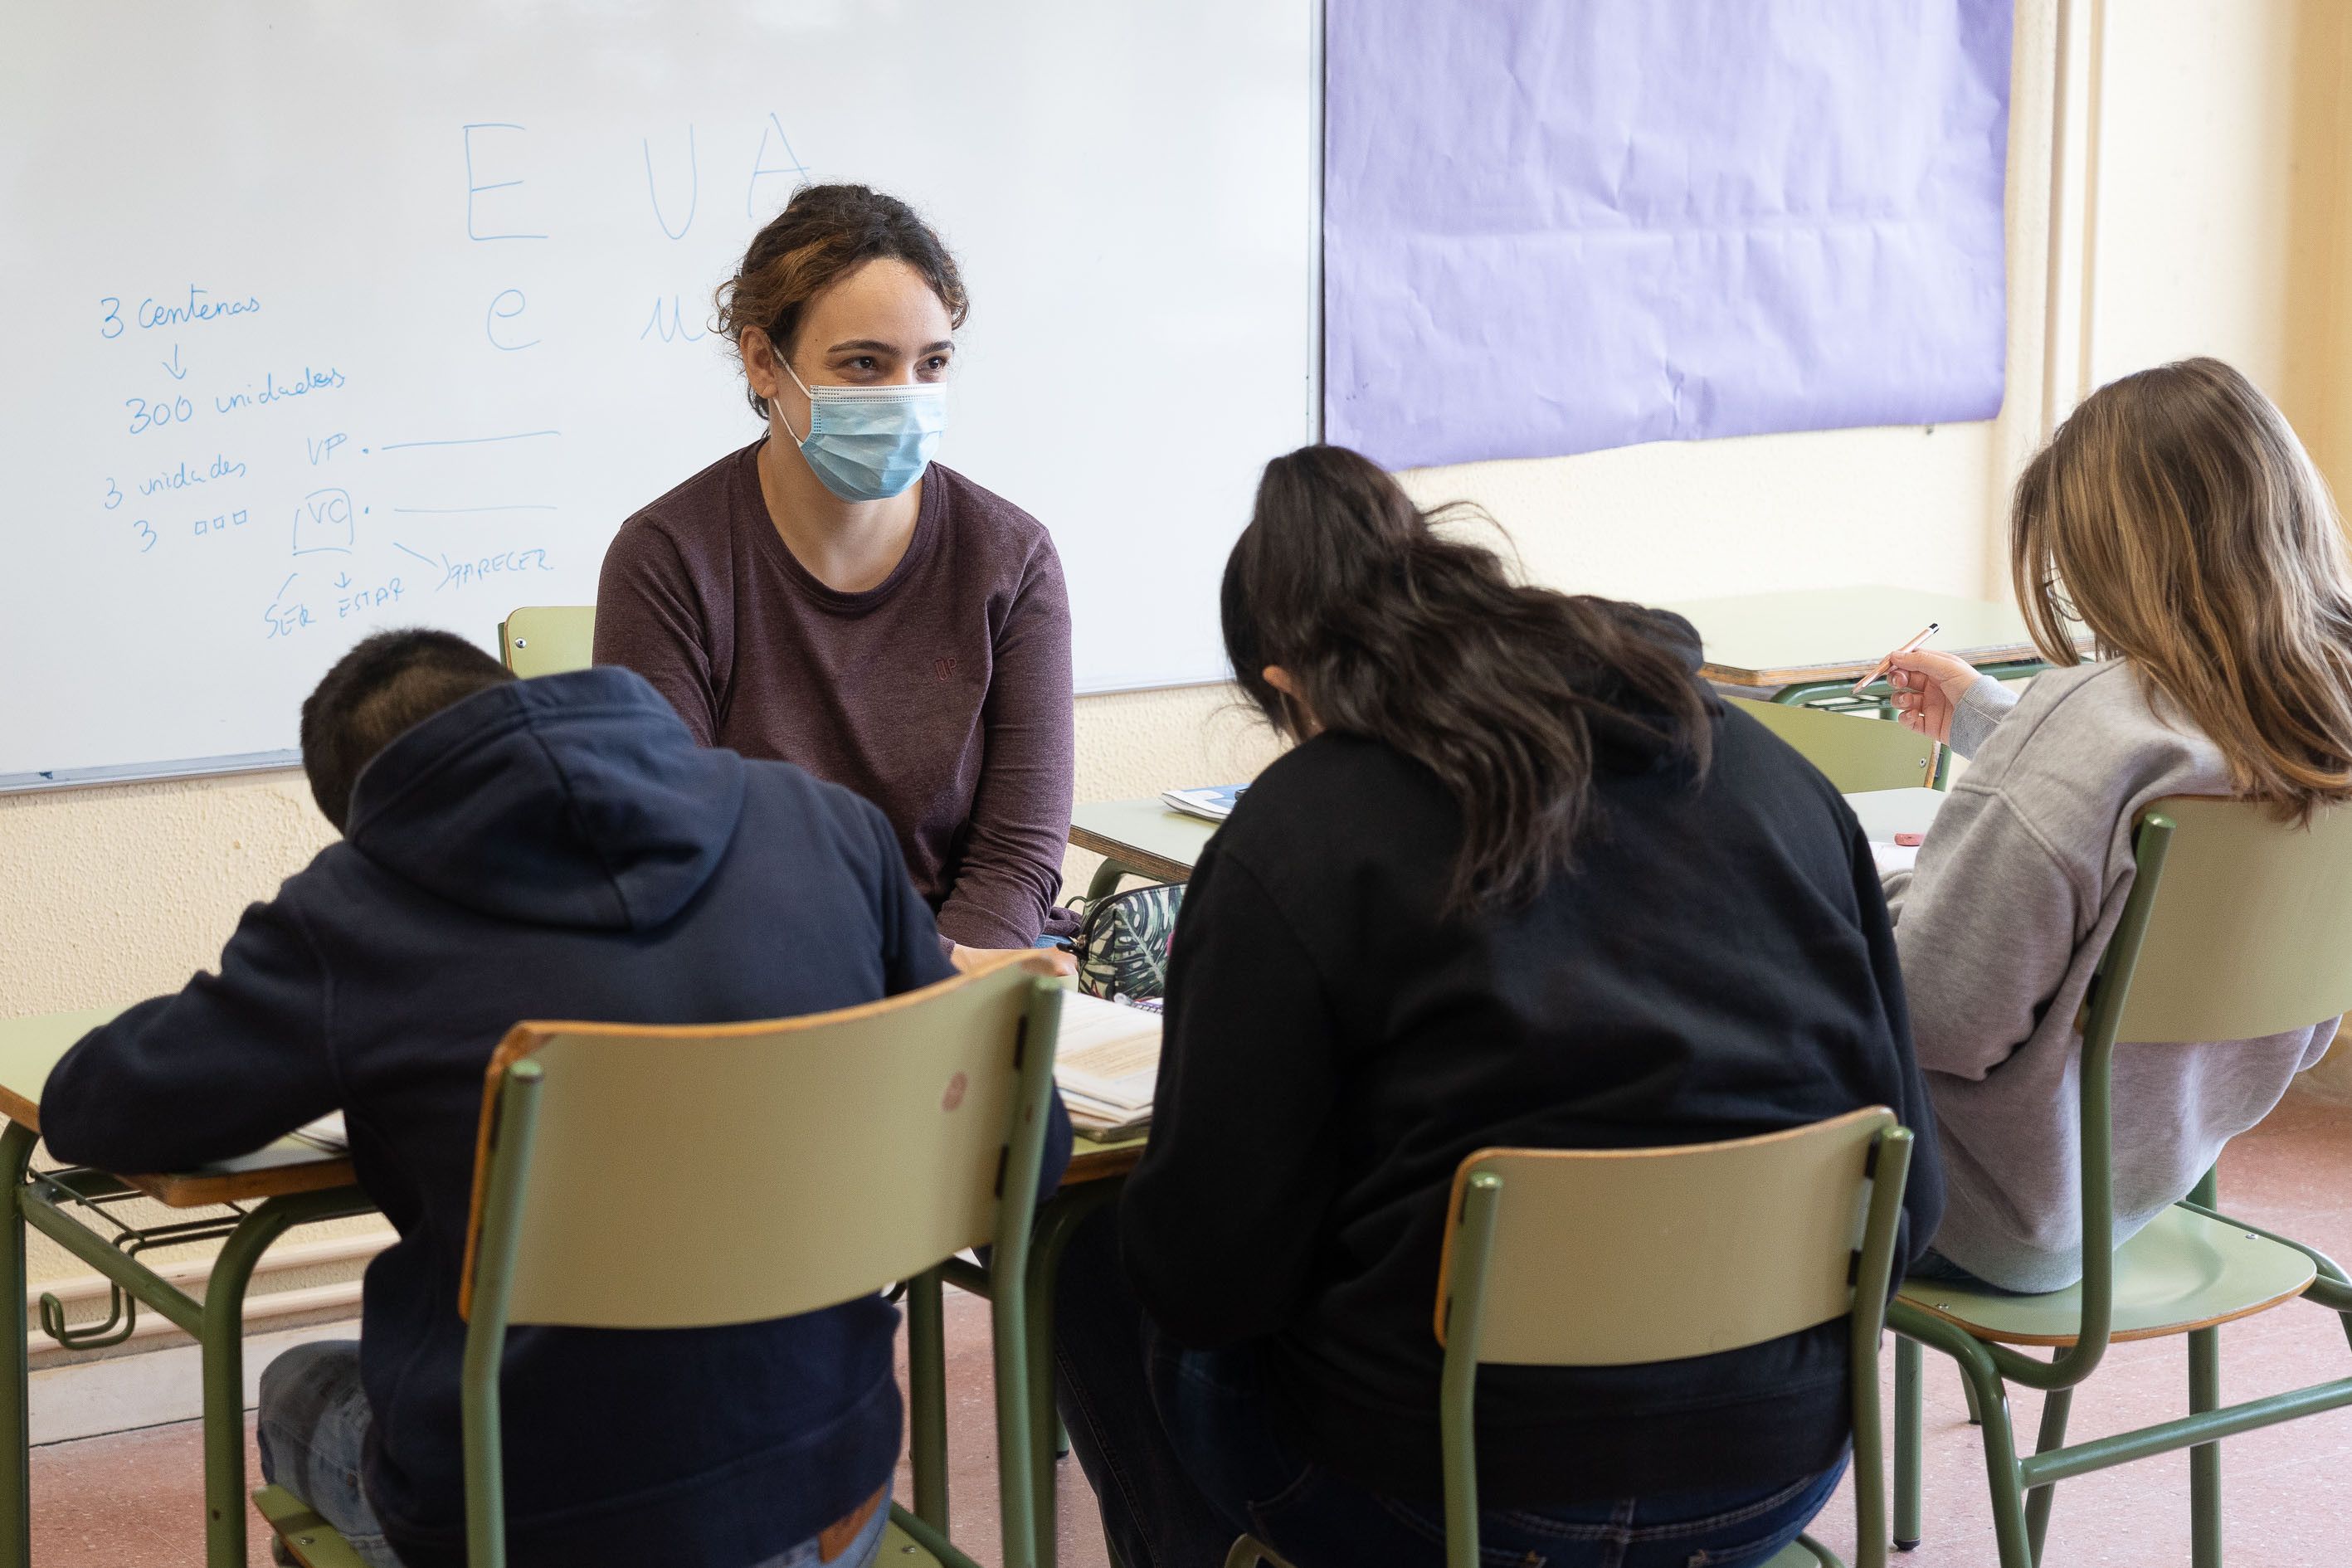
(943, 695)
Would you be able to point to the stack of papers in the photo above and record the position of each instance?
(1215, 803)
(328, 1134)
(1894, 856)
(1106, 1062)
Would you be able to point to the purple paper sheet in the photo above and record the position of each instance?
(1554, 225)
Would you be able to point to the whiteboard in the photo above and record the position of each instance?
(333, 316)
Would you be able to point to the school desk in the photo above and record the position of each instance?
(1813, 642)
(268, 1192)
(285, 1185)
(1148, 838)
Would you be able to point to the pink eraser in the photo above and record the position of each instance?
(1910, 840)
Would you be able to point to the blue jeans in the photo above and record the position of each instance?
(1183, 1459)
(313, 1430)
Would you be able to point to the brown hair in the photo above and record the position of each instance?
(2176, 516)
(1398, 633)
(824, 234)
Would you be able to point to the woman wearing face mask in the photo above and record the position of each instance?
(831, 597)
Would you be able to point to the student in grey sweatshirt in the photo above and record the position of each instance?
(2177, 515)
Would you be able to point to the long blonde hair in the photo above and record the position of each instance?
(2176, 516)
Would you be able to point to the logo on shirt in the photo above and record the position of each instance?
(944, 669)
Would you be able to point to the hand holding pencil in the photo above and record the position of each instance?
(1927, 687)
(1887, 663)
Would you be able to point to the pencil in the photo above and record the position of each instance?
(1888, 662)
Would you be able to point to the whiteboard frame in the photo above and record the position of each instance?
(239, 762)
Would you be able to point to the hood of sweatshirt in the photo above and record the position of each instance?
(575, 800)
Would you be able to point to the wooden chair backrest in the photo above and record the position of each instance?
(547, 639)
(685, 1177)
(1611, 1256)
(2250, 928)
(1855, 754)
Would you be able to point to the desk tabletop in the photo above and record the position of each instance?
(1150, 836)
(1158, 842)
(29, 1047)
(1091, 1161)
(1828, 634)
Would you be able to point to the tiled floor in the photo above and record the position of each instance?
(136, 1500)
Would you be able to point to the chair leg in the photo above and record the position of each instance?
(1969, 1392)
(2054, 1406)
(2205, 1459)
(1058, 1220)
(1908, 1421)
(927, 1388)
(2000, 1470)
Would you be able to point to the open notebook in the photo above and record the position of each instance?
(1106, 1063)
(327, 1134)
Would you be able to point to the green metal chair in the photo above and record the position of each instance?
(1855, 753)
(547, 639)
(2237, 926)
(857, 1148)
(1613, 1256)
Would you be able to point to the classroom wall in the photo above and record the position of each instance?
(2216, 232)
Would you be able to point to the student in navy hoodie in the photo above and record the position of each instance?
(557, 847)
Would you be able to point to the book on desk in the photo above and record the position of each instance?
(1211, 802)
(1106, 1064)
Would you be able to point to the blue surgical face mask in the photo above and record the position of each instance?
(869, 443)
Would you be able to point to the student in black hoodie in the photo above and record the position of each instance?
(557, 847)
(1523, 881)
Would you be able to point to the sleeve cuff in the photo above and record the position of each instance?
(1978, 713)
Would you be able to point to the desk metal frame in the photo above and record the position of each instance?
(45, 1201)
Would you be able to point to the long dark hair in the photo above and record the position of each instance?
(1395, 632)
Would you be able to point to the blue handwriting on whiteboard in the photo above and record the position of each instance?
(762, 169)
(282, 618)
(464, 573)
(146, 416)
(272, 390)
(673, 329)
(475, 187)
(463, 510)
(501, 311)
(154, 312)
(323, 448)
(181, 478)
(467, 440)
(693, 189)
(362, 599)
(220, 522)
(323, 522)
